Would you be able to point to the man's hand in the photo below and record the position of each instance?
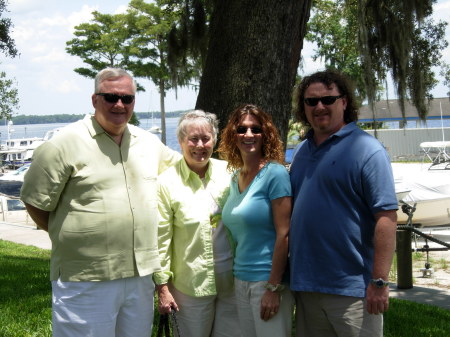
(39, 216)
(377, 299)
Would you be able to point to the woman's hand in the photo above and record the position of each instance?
(270, 303)
(166, 301)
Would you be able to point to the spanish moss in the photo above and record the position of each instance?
(385, 38)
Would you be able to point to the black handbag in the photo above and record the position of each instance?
(163, 326)
(166, 325)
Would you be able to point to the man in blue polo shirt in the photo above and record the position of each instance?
(343, 225)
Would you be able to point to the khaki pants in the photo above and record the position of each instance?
(248, 297)
(327, 315)
(207, 316)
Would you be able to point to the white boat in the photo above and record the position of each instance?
(16, 152)
(16, 175)
(155, 129)
(424, 191)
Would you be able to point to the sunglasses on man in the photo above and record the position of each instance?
(241, 130)
(326, 100)
(114, 98)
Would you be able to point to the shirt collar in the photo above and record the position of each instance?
(187, 173)
(342, 132)
(95, 128)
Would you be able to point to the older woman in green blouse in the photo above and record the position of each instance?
(194, 247)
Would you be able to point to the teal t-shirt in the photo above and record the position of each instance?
(248, 216)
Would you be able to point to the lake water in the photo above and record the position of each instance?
(39, 130)
(431, 123)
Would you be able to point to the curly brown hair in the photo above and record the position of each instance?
(326, 77)
(272, 146)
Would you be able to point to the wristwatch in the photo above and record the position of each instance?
(379, 283)
(275, 288)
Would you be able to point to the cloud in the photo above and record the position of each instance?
(441, 10)
(67, 86)
(51, 56)
(42, 40)
(23, 6)
(121, 9)
(78, 17)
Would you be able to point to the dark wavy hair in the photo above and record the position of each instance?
(327, 77)
(272, 146)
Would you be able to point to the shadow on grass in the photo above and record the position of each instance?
(25, 291)
(22, 276)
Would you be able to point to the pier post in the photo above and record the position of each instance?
(404, 259)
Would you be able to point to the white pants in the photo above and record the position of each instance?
(327, 315)
(207, 316)
(119, 308)
(248, 299)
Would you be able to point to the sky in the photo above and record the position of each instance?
(44, 71)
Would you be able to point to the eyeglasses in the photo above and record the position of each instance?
(241, 130)
(326, 100)
(114, 98)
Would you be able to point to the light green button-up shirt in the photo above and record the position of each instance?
(102, 200)
(184, 231)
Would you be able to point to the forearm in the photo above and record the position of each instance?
(384, 243)
(279, 260)
(39, 216)
(281, 215)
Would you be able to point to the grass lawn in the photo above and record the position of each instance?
(25, 291)
(25, 300)
(410, 319)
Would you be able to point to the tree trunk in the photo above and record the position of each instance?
(253, 56)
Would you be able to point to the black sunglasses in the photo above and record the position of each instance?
(326, 100)
(114, 98)
(256, 130)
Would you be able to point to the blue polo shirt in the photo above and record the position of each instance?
(337, 188)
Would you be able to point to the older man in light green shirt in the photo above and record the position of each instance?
(93, 187)
(102, 201)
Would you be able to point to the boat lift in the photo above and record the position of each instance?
(437, 151)
(404, 251)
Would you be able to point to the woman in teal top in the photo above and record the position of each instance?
(257, 213)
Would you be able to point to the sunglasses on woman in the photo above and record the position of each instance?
(256, 130)
(113, 98)
(326, 100)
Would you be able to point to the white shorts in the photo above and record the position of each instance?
(118, 308)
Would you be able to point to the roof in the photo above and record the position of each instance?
(389, 110)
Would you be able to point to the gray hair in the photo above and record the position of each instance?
(197, 117)
(108, 73)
